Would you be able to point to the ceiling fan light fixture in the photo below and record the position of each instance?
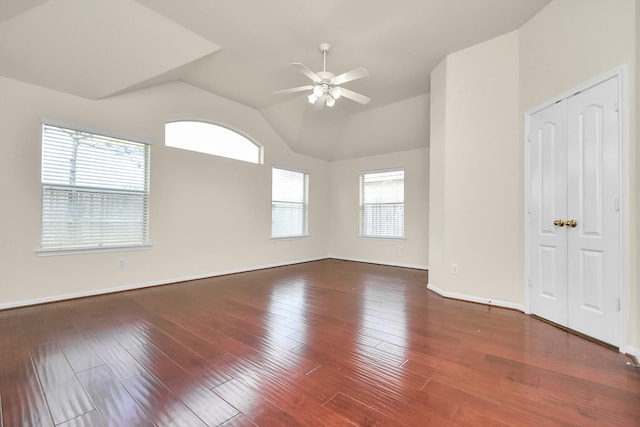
(330, 101)
(325, 85)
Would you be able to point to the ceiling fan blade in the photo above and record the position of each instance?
(354, 74)
(307, 72)
(354, 96)
(294, 89)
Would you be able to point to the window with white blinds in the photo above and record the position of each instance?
(289, 203)
(95, 190)
(382, 204)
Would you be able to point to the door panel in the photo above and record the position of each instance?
(593, 190)
(548, 202)
(589, 163)
(591, 276)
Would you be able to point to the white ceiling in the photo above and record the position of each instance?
(242, 49)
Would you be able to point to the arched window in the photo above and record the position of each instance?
(211, 139)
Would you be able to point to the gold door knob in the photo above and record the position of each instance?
(559, 222)
(572, 223)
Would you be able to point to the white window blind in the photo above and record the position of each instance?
(382, 204)
(95, 190)
(289, 206)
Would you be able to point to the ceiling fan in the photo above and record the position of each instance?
(326, 86)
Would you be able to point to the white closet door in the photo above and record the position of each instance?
(548, 204)
(593, 202)
(574, 212)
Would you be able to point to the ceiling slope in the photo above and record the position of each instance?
(242, 50)
(94, 49)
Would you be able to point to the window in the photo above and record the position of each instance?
(289, 205)
(95, 190)
(211, 139)
(382, 204)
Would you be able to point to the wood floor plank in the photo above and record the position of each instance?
(251, 403)
(159, 404)
(472, 409)
(116, 357)
(23, 402)
(402, 406)
(359, 413)
(65, 396)
(297, 395)
(114, 404)
(239, 420)
(327, 342)
(207, 405)
(82, 357)
(90, 419)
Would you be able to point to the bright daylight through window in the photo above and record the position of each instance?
(95, 190)
(211, 139)
(289, 205)
(382, 204)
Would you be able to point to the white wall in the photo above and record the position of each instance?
(344, 188)
(475, 183)
(208, 214)
(634, 176)
(438, 271)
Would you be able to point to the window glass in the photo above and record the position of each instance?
(382, 204)
(289, 205)
(211, 139)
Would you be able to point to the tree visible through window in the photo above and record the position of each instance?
(382, 204)
(211, 139)
(289, 203)
(95, 190)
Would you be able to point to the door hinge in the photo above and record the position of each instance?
(617, 204)
(529, 281)
(617, 106)
(618, 304)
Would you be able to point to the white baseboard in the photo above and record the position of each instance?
(633, 351)
(480, 300)
(129, 287)
(374, 261)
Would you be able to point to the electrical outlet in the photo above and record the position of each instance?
(121, 263)
(454, 269)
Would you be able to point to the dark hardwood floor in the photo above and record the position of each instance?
(327, 343)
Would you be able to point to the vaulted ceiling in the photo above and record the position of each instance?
(242, 49)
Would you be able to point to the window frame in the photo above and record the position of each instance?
(305, 204)
(361, 210)
(143, 195)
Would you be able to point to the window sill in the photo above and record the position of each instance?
(291, 237)
(380, 238)
(91, 250)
